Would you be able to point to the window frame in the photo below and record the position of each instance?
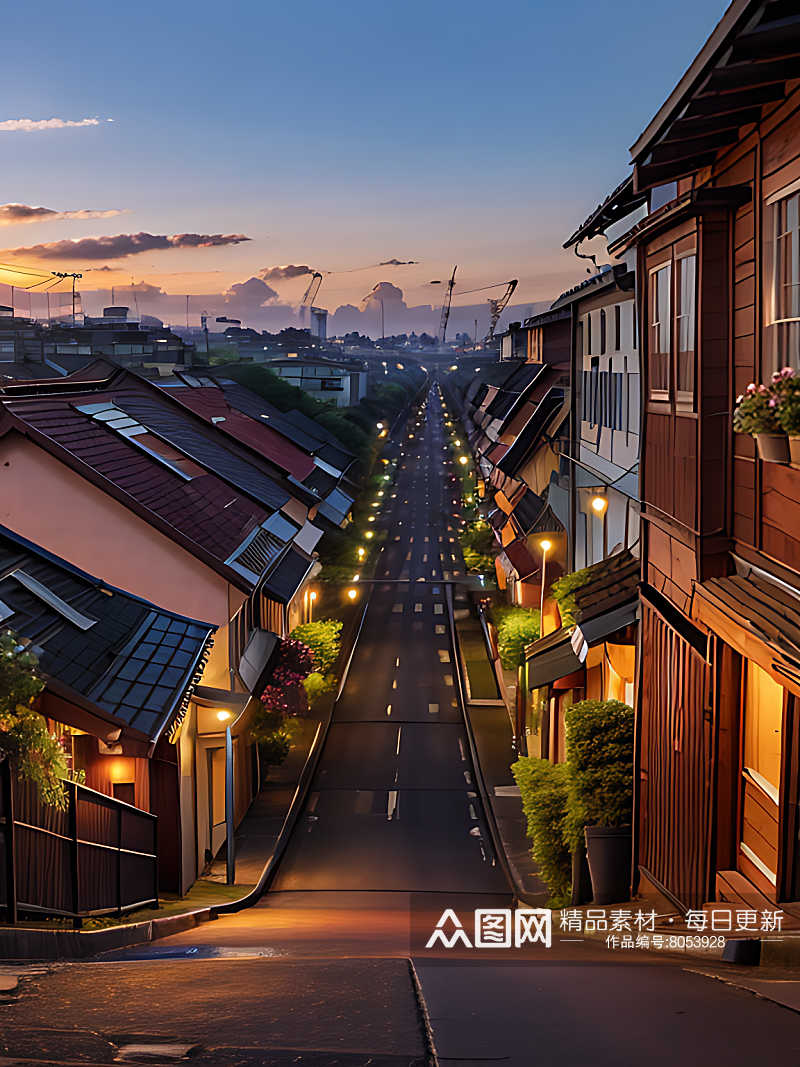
(669, 400)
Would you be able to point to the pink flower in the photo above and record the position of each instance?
(787, 372)
(763, 390)
(773, 403)
(751, 387)
(776, 376)
(739, 399)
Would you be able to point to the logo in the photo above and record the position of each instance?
(494, 927)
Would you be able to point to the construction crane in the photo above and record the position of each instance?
(310, 295)
(446, 306)
(497, 307)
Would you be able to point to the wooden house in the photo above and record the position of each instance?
(717, 766)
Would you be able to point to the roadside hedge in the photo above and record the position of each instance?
(544, 789)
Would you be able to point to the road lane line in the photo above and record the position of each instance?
(399, 734)
(388, 709)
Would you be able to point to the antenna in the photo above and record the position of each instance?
(446, 306)
(66, 274)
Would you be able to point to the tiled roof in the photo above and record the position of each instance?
(287, 577)
(211, 403)
(205, 509)
(102, 648)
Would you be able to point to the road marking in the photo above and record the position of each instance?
(425, 557)
(439, 629)
(397, 607)
(418, 607)
(388, 709)
(453, 703)
(394, 684)
(399, 733)
(467, 777)
(438, 609)
(408, 557)
(433, 573)
(426, 538)
(411, 540)
(444, 655)
(472, 813)
(392, 803)
(448, 679)
(461, 747)
(433, 709)
(397, 662)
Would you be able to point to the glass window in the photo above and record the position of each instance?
(589, 335)
(660, 332)
(602, 331)
(685, 289)
(617, 327)
(787, 281)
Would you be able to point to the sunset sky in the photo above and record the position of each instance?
(336, 135)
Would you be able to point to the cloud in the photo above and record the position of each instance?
(398, 263)
(282, 274)
(250, 295)
(29, 125)
(383, 291)
(12, 214)
(123, 244)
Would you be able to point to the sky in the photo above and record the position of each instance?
(187, 148)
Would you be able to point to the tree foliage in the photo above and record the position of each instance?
(544, 789)
(516, 628)
(24, 739)
(324, 639)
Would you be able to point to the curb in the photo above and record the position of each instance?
(488, 813)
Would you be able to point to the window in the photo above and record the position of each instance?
(787, 281)
(617, 327)
(685, 289)
(763, 719)
(602, 331)
(660, 332)
(589, 335)
(672, 357)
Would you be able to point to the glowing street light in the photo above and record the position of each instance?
(352, 594)
(545, 547)
(223, 715)
(600, 507)
(463, 460)
(369, 533)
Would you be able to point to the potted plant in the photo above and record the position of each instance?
(599, 743)
(757, 414)
(787, 389)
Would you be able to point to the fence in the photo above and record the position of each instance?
(98, 857)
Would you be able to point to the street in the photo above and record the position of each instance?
(318, 973)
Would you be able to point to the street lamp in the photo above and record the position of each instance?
(312, 596)
(600, 507)
(463, 460)
(351, 594)
(545, 546)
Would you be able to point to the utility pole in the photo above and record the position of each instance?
(66, 274)
(204, 327)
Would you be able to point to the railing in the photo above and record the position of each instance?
(98, 857)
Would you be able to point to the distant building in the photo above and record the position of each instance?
(345, 381)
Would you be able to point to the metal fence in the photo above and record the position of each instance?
(98, 857)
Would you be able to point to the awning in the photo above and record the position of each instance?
(258, 660)
(287, 577)
(756, 615)
(608, 603)
(520, 558)
(532, 432)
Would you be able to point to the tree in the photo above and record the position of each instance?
(24, 740)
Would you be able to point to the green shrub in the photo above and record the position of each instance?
(599, 737)
(563, 592)
(316, 684)
(24, 738)
(516, 628)
(323, 638)
(544, 788)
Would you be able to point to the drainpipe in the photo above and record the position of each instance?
(230, 859)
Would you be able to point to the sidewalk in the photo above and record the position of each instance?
(491, 728)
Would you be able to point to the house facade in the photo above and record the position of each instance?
(717, 786)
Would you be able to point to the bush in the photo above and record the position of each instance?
(324, 639)
(516, 628)
(599, 738)
(563, 592)
(544, 789)
(316, 684)
(24, 739)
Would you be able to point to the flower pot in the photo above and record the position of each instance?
(794, 450)
(581, 879)
(773, 447)
(608, 849)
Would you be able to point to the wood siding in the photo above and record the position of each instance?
(673, 763)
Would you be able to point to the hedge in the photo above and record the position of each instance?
(544, 788)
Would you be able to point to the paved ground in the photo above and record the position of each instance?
(318, 974)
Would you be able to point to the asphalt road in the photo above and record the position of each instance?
(318, 973)
(394, 805)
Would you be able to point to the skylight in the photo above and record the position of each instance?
(118, 420)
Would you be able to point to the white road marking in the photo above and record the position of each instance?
(418, 607)
(397, 662)
(388, 709)
(399, 734)
(448, 679)
(394, 684)
(461, 747)
(433, 709)
(439, 628)
(397, 607)
(444, 655)
(438, 609)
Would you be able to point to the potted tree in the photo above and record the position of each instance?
(756, 413)
(599, 743)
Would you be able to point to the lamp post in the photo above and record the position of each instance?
(312, 596)
(545, 548)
